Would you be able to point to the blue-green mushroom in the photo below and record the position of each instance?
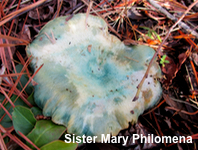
(89, 77)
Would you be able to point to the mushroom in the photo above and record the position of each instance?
(89, 77)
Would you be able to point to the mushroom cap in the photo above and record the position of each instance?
(89, 77)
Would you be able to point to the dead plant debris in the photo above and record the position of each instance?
(168, 26)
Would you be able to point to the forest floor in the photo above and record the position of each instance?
(170, 27)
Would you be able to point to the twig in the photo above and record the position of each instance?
(9, 115)
(158, 126)
(27, 102)
(14, 39)
(14, 138)
(194, 136)
(185, 102)
(112, 29)
(173, 18)
(131, 59)
(8, 98)
(139, 87)
(59, 5)
(21, 11)
(162, 102)
(25, 1)
(52, 39)
(88, 11)
(28, 140)
(2, 144)
(182, 111)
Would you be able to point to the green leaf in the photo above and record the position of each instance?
(149, 34)
(2, 97)
(36, 111)
(166, 61)
(146, 28)
(163, 57)
(44, 132)
(23, 119)
(163, 60)
(157, 36)
(150, 31)
(23, 80)
(6, 140)
(31, 98)
(6, 121)
(60, 145)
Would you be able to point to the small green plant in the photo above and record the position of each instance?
(151, 33)
(163, 61)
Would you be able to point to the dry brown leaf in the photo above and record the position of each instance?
(33, 13)
(169, 69)
(195, 58)
(167, 120)
(25, 34)
(134, 14)
(50, 12)
(175, 104)
(44, 13)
